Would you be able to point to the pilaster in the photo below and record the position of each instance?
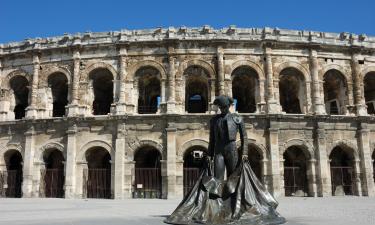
(28, 163)
(319, 108)
(273, 106)
(31, 110)
(274, 160)
(359, 97)
(122, 62)
(324, 174)
(73, 107)
(119, 162)
(70, 163)
(366, 170)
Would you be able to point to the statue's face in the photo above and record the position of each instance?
(224, 109)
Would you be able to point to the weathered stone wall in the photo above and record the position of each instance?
(172, 130)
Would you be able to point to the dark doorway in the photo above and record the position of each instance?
(11, 179)
(193, 164)
(19, 86)
(103, 91)
(341, 172)
(148, 90)
(295, 178)
(196, 90)
(59, 87)
(53, 174)
(335, 92)
(244, 88)
(98, 175)
(369, 83)
(292, 93)
(147, 173)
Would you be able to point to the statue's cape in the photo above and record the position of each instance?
(241, 199)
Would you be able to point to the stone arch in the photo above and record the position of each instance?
(51, 145)
(346, 146)
(305, 146)
(98, 65)
(10, 147)
(146, 63)
(365, 71)
(188, 144)
(81, 156)
(18, 72)
(253, 65)
(143, 143)
(49, 70)
(296, 65)
(261, 149)
(197, 62)
(337, 67)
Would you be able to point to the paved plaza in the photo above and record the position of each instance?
(301, 211)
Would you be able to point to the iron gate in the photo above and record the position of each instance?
(11, 183)
(191, 175)
(147, 183)
(98, 183)
(53, 183)
(294, 180)
(342, 176)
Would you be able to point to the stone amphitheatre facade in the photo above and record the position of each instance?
(125, 114)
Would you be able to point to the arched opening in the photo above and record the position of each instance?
(342, 171)
(193, 163)
(255, 159)
(11, 179)
(148, 90)
(20, 98)
(59, 88)
(369, 83)
(335, 92)
(196, 89)
(102, 84)
(53, 174)
(98, 183)
(295, 172)
(292, 91)
(147, 173)
(244, 89)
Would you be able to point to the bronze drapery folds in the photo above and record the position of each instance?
(241, 199)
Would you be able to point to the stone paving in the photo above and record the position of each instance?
(301, 211)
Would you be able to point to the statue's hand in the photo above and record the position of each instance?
(244, 158)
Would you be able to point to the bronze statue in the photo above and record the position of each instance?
(241, 199)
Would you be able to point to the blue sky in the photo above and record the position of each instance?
(42, 18)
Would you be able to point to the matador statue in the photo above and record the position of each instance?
(241, 198)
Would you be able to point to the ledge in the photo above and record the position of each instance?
(205, 33)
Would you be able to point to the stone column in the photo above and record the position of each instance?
(359, 96)
(324, 175)
(368, 186)
(171, 104)
(28, 163)
(213, 91)
(220, 70)
(265, 174)
(262, 101)
(121, 106)
(119, 162)
(317, 100)
(273, 107)
(73, 108)
(179, 178)
(32, 111)
(163, 91)
(311, 178)
(274, 161)
(357, 178)
(70, 163)
(282, 174)
(81, 170)
(129, 178)
(171, 188)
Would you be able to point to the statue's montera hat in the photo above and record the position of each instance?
(223, 100)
